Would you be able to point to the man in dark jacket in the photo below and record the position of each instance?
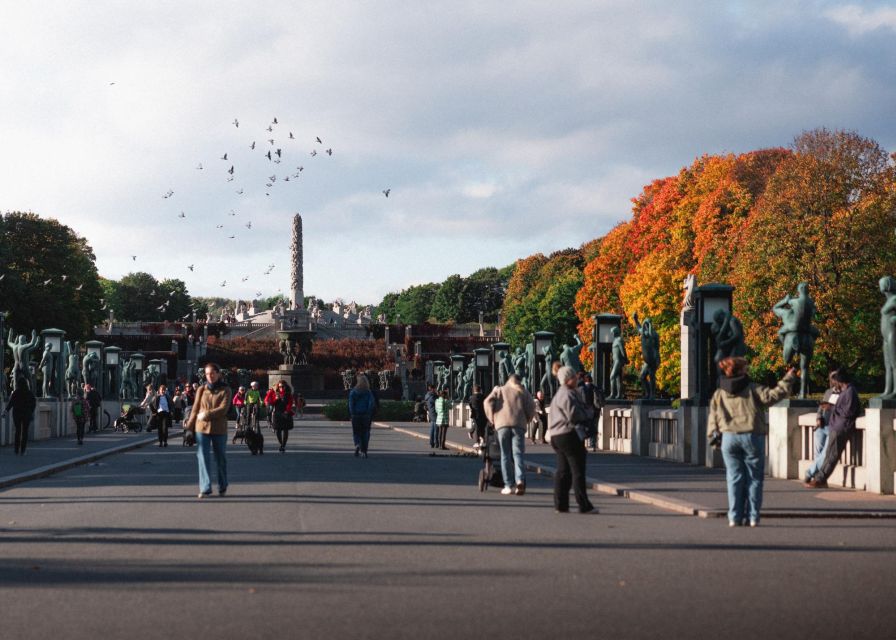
(94, 402)
(430, 400)
(23, 403)
(841, 425)
(477, 414)
(161, 407)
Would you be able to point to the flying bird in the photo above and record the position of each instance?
(273, 178)
(239, 192)
(134, 258)
(78, 288)
(386, 192)
(64, 278)
(168, 194)
(268, 154)
(271, 141)
(232, 237)
(329, 152)
(252, 146)
(275, 121)
(319, 141)
(249, 225)
(270, 128)
(232, 212)
(46, 282)
(245, 278)
(182, 215)
(230, 170)
(223, 284)
(224, 157)
(258, 294)
(236, 123)
(279, 153)
(220, 226)
(190, 267)
(291, 137)
(199, 167)
(314, 153)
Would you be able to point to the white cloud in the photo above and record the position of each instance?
(858, 20)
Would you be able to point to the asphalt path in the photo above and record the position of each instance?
(316, 543)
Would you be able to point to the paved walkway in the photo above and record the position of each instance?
(690, 489)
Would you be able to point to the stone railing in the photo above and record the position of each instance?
(621, 430)
(664, 434)
(850, 472)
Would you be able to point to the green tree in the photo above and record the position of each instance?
(414, 303)
(447, 302)
(387, 306)
(483, 291)
(138, 298)
(177, 300)
(50, 277)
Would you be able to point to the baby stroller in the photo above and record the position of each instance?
(127, 422)
(490, 452)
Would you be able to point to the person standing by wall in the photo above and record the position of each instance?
(208, 420)
(511, 408)
(841, 427)
(361, 405)
(22, 402)
(567, 427)
(737, 411)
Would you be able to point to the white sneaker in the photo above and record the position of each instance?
(506, 491)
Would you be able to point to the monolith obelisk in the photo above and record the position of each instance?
(298, 284)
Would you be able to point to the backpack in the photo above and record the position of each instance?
(78, 409)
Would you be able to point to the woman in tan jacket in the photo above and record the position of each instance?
(208, 419)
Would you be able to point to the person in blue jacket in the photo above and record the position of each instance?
(361, 404)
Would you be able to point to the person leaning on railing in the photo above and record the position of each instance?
(841, 426)
(737, 410)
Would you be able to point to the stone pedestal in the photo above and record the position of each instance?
(605, 438)
(460, 415)
(880, 446)
(784, 437)
(300, 377)
(641, 409)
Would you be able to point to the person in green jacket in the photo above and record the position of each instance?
(737, 410)
(443, 411)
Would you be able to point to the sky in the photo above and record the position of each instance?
(500, 129)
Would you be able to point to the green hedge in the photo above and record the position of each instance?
(390, 411)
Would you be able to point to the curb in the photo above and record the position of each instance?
(671, 504)
(65, 465)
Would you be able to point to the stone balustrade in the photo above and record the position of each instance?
(850, 472)
(664, 437)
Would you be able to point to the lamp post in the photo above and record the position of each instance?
(497, 349)
(484, 371)
(138, 359)
(113, 357)
(541, 341)
(708, 299)
(53, 338)
(604, 323)
(458, 361)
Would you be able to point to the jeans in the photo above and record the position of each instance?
(361, 431)
(571, 456)
(837, 441)
(217, 443)
(744, 455)
(433, 430)
(820, 440)
(513, 443)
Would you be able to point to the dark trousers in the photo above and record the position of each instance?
(570, 472)
(433, 430)
(164, 425)
(539, 424)
(282, 436)
(836, 444)
(94, 416)
(79, 428)
(361, 431)
(443, 435)
(21, 424)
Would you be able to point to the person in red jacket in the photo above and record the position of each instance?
(269, 399)
(284, 408)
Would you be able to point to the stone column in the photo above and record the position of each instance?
(641, 409)
(298, 280)
(880, 446)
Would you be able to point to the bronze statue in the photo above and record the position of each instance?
(569, 355)
(797, 334)
(468, 378)
(618, 359)
(888, 333)
(548, 384)
(650, 350)
(21, 349)
(90, 365)
(504, 367)
(47, 370)
(73, 370)
(729, 336)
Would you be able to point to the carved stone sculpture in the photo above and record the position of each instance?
(888, 333)
(504, 367)
(618, 360)
(650, 350)
(128, 389)
(797, 334)
(468, 378)
(90, 368)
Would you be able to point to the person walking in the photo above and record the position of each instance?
(270, 399)
(361, 405)
(737, 411)
(22, 402)
(477, 415)
(443, 413)
(567, 425)
(208, 420)
(145, 406)
(430, 400)
(540, 422)
(511, 408)
(161, 407)
(283, 414)
(841, 426)
(253, 405)
(94, 404)
(79, 413)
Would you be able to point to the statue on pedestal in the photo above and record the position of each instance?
(729, 336)
(888, 333)
(128, 389)
(47, 369)
(519, 365)
(469, 376)
(569, 355)
(504, 367)
(90, 366)
(73, 369)
(546, 384)
(797, 334)
(21, 349)
(618, 360)
(650, 350)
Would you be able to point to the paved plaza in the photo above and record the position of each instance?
(316, 543)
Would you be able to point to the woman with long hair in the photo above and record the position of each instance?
(361, 404)
(283, 413)
(208, 419)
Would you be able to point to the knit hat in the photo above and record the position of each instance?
(565, 373)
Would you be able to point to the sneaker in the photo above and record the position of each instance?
(357, 451)
(754, 523)
(589, 509)
(733, 523)
(521, 488)
(204, 495)
(222, 492)
(506, 491)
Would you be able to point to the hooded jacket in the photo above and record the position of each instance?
(738, 405)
